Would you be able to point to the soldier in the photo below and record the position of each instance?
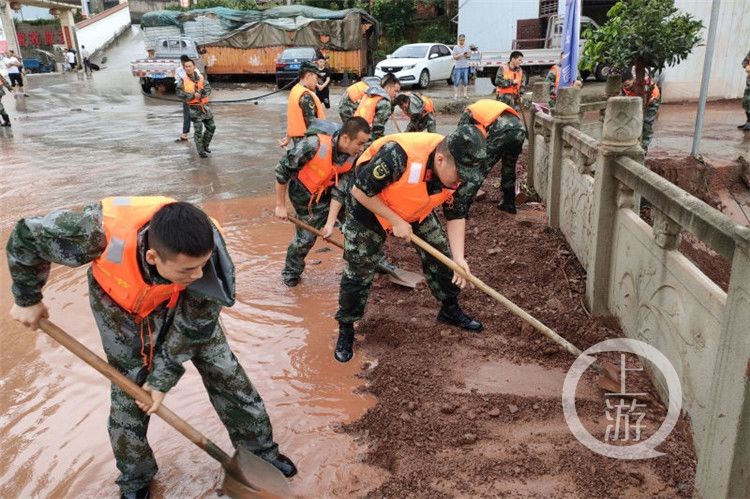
(651, 108)
(504, 133)
(400, 179)
(509, 81)
(419, 109)
(3, 85)
(376, 107)
(159, 277)
(194, 90)
(746, 97)
(353, 94)
(312, 169)
(553, 77)
(303, 105)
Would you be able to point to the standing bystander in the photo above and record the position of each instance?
(322, 89)
(15, 72)
(746, 97)
(461, 54)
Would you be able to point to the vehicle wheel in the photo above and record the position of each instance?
(602, 72)
(424, 79)
(146, 86)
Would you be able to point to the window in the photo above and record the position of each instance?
(434, 50)
(443, 50)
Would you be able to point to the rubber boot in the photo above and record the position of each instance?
(345, 343)
(509, 201)
(6, 119)
(746, 126)
(142, 493)
(451, 313)
(284, 465)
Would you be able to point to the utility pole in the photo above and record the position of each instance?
(706, 77)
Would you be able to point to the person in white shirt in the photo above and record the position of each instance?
(179, 74)
(14, 67)
(86, 56)
(461, 54)
(70, 58)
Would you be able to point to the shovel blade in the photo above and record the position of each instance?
(405, 278)
(609, 377)
(249, 476)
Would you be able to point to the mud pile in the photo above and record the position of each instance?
(462, 414)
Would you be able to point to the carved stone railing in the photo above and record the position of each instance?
(636, 273)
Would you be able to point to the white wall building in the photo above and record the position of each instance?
(500, 31)
(683, 81)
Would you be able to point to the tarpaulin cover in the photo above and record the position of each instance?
(287, 25)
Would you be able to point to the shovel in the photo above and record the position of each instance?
(609, 375)
(247, 475)
(395, 275)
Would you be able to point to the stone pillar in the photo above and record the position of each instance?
(539, 95)
(567, 107)
(620, 135)
(68, 25)
(9, 28)
(724, 466)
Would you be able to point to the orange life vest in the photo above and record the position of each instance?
(486, 111)
(556, 69)
(655, 92)
(429, 107)
(117, 270)
(367, 107)
(516, 76)
(408, 195)
(357, 91)
(295, 125)
(321, 172)
(191, 87)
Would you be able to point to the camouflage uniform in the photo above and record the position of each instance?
(746, 97)
(551, 77)
(3, 85)
(365, 237)
(509, 99)
(383, 112)
(347, 108)
(189, 331)
(504, 143)
(649, 116)
(313, 212)
(200, 115)
(420, 121)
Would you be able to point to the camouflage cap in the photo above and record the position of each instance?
(467, 145)
(307, 67)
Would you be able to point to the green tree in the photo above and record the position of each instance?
(646, 34)
(396, 19)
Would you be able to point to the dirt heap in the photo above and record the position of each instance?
(465, 414)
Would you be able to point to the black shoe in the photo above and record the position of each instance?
(290, 281)
(205, 148)
(345, 343)
(285, 466)
(202, 154)
(6, 124)
(509, 201)
(451, 313)
(142, 493)
(746, 127)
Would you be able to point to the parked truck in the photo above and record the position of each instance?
(536, 61)
(163, 60)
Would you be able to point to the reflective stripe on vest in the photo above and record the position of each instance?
(321, 172)
(555, 69)
(295, 125)
(515, 76)
(367, 107)
(486, 111)
(118, 270)
(357, 91)
(655, 92)
(408, 196)
(190, 87)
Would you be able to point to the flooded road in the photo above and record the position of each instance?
(76, 140)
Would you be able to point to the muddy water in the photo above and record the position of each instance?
(54, 407)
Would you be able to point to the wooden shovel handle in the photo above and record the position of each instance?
(515, 309)
(313, 230)
(133, 390)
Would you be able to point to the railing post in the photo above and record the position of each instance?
(567, 106)
(539, 95)
(724, 466)
(622, 130)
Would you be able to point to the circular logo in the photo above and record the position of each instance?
(642, 450)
